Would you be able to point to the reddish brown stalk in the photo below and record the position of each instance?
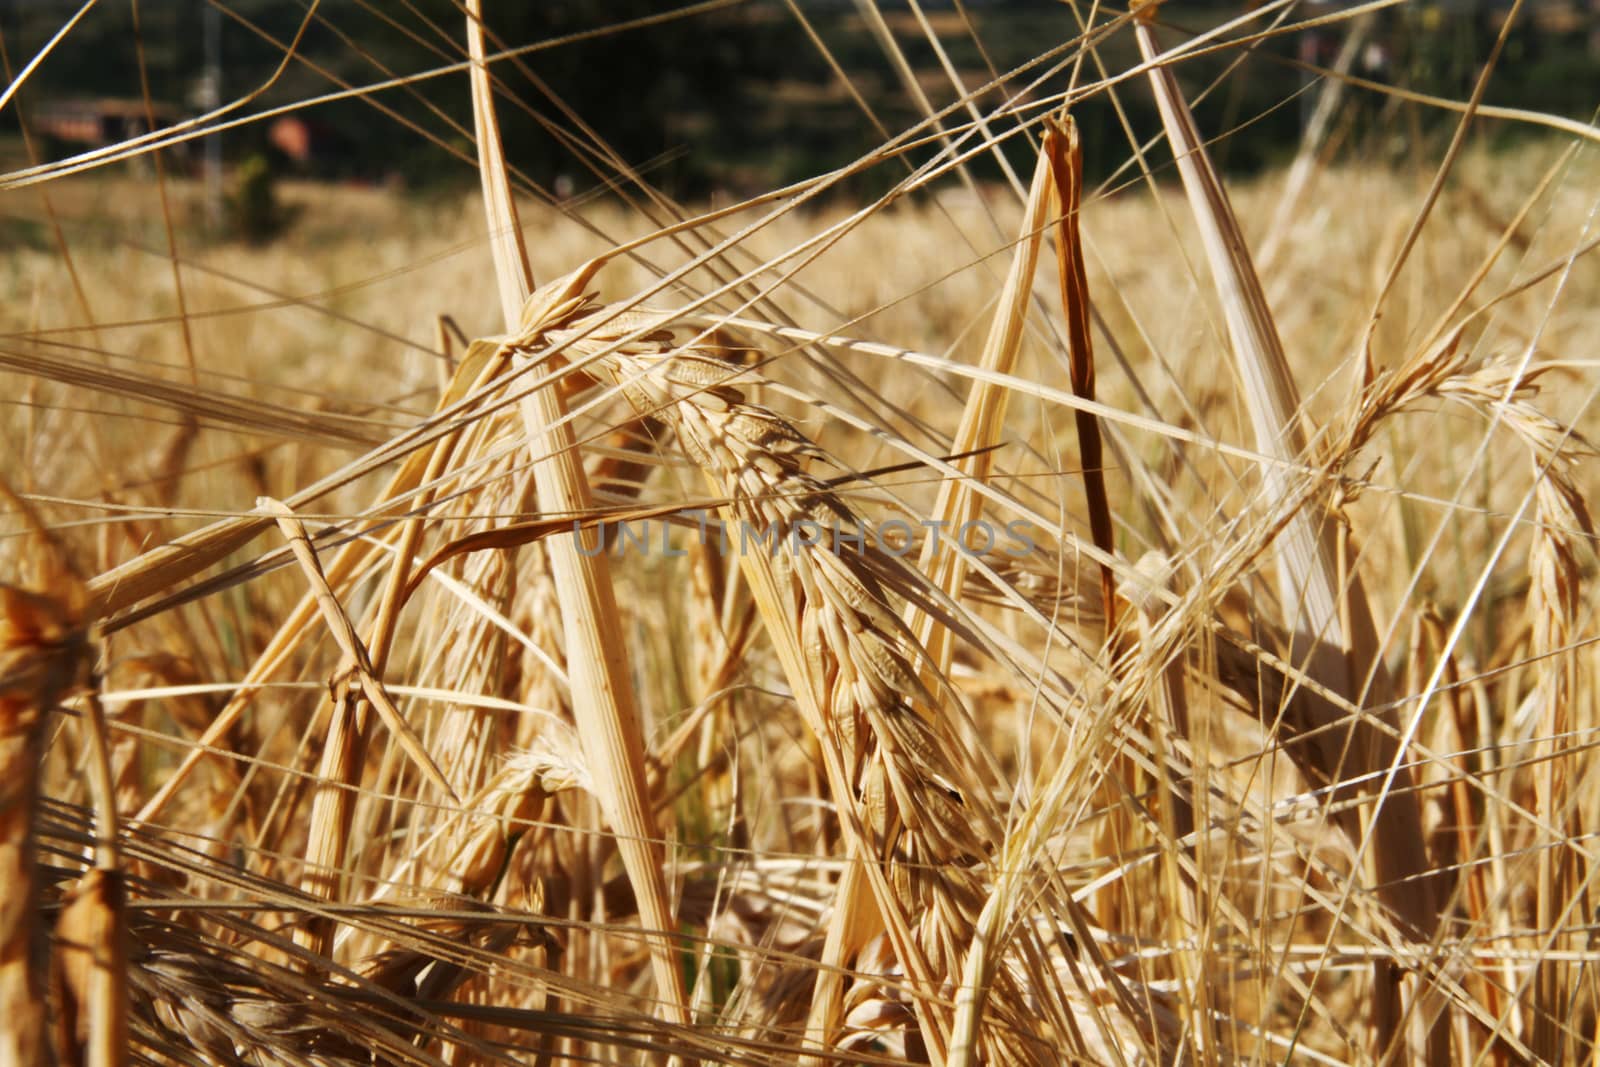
(1062, 148)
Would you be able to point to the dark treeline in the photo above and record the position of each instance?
(734, 97)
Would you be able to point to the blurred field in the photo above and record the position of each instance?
(365, 273)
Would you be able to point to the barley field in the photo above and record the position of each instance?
(977, 604)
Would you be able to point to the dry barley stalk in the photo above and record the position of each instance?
(982, 421)
(358, 661)
(344, 752)
(460, 645)
(42, 648)
(89, 968)
(357, 685)
(1323, 605)
(89, 972)
(188, 555)
(473, 659)
(601, 686)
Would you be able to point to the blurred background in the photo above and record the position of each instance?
(777, 90)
